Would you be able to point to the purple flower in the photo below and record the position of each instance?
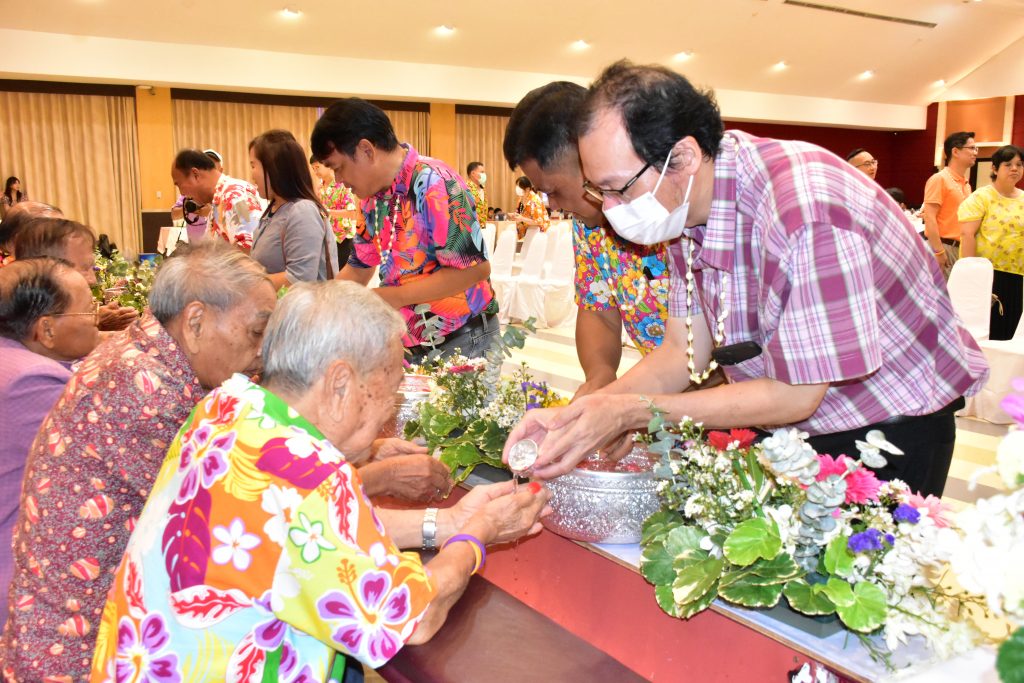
(1013, 405)
(868, 540)
(139, 655)
(368, 622)
(890, 539)
(906, 513)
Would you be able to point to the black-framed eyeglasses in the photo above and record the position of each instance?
(869, 162)
(95, 313)
(599, 193)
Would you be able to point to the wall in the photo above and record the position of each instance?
(156, 151)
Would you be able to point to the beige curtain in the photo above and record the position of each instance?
(228, 127)
(478, 137)
(77, 152)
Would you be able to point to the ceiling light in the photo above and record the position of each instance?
(291, 13)
(941, 83)
(780, 66)
(444, 30)
(865, 75)
(580, 45)
(682, 56)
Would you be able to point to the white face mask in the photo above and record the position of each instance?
(519, 191)
(483, 179)
(645, 221)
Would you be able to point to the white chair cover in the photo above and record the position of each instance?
(547, 294)
(501, 272)
(970, 289)
(1006, 363)
(490, 233)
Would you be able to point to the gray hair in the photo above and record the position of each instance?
(211, 272)
(317, 323)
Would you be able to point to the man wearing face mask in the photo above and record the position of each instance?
(780, 277)
(476, 178)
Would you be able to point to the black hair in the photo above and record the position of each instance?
(854, 152)
(7, 189)
(543, 125)
(46, 236)
(29, 290)
(658, 106)
(13, 224)
(284, 166)
(187, 159)
(472, 166)
(897, 195)
(524, 182)
(956, 141)
(313, 159)
(1005, 155)
(348, 121)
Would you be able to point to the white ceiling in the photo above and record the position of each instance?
(734, 42)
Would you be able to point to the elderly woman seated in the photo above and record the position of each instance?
(259, 553)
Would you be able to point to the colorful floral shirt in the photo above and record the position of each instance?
(337, 197)
(236, 211)
(422, 223)
(258, 550)
(614, 273)
(532, 206)
(479, 200)
(1000, 236)
(87, 477)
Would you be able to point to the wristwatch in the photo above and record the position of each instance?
(430, 529)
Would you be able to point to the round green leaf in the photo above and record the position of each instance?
(867, 612)
(780, 568)
(838, 558)
(685, 539)
(839, 592)
(663, 594)
(1010, 660)
(656, 564)
(689, 609)
(752, 539)
(808, 599)
(748, 594)
(659, 524)
(694, 578)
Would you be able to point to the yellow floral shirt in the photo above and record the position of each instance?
(1000, 237)
(480, 199)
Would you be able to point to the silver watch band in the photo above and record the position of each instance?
(430, 529)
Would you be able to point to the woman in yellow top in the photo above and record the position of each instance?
(531, 211)
(992, 226)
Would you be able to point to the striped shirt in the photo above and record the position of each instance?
(827, 275)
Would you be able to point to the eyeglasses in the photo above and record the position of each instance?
(971, 148)
(871, 162)
(95, 313)
(599, 193)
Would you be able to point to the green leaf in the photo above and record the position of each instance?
(685, 539)
(696, 606)
(808, 599)
(839, 592)
(752, 539)
(442, 424)
(412, 429)
(460, 455)
(695, 577)
(656, 564)
(1010, 660)
(749, 594)
(838, 558)
(867, 612)
(779, 568)
(659, 524)
(756, 471)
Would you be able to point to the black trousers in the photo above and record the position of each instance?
(1009, 287)
(926, 441)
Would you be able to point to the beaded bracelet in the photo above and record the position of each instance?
(478, 549)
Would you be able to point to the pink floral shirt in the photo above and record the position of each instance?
(236, 211)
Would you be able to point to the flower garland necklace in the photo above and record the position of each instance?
(723, 313)
(396, 205)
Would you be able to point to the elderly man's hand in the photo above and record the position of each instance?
(416, 478)
(391, 447)
(114, 317)
(513, 515)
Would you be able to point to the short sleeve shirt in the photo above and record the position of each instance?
(1000, 236)
(236, 211)
(632, 278)
(532, 207)
(817, 265)
(479, 200)
(424, 222)
(337, 197)
(258, 551)
(947, 190)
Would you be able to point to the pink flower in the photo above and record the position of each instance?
(461, 369)
(931, 506)
(861, 484)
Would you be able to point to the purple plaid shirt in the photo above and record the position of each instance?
(828, 276)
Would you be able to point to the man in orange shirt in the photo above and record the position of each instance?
(942, 196)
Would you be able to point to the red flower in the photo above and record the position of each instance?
(721, 440)
(461, 369)
(861, 484)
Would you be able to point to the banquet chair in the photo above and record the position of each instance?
(490, 233)
(528, 238)
(546, 293)
(970, 289)
(501, 272)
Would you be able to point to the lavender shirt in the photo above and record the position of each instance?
(30, 385)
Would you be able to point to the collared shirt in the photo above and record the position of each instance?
(29, 386)
(1000, 236)
(947, 190)
(831, 280)
(479, 199)
(531, 206)
(338, 197)
(88, 475)
(424, 222)
(260, 538)
(614, 273)
(236, 211)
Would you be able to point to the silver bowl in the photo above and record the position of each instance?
(602, 507)
(414, 390)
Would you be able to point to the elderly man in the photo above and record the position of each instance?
(617, 282)
(75, 243)
(259, 510)
(47, 320)
(17, 217)
(235, 203)
(420, 229)
(780, 277)
(862, 160)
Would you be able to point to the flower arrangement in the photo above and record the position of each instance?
(473, 408)
(753, 523)
(129, 283)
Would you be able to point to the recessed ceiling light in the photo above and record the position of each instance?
(291, 13)
(780, 66)
(444, 30)
(941, 83)
(580, 45)
(682, 56)
(865, 75)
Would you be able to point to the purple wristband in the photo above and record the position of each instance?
(469, 539)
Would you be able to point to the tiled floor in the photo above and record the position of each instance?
(551, 356)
